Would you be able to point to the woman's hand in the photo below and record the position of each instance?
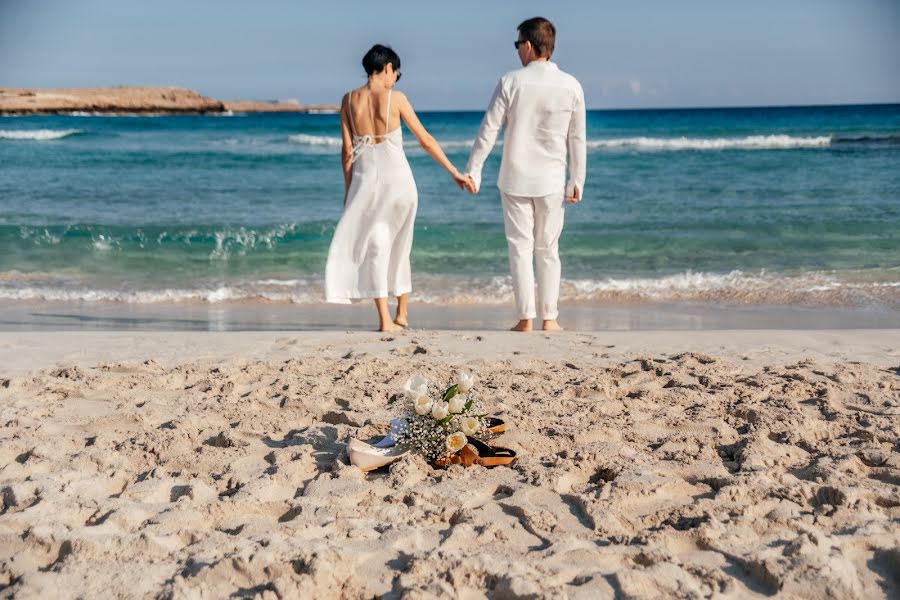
(463, 181)
(429, 144)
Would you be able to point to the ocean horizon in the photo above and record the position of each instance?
(724, 206)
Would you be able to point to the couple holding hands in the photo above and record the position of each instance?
(542, 110)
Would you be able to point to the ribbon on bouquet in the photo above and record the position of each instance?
(391, 438)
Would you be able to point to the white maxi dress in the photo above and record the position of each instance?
(369, 253)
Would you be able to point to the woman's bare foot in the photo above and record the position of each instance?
(384, 316)
(524, 326)
(401, 317)
(551, 325)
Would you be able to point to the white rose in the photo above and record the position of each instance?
(464, 381)
(440, 410)
(456, 442)
(416, 387)
(470, 426)
(423, 405)
(457, 404)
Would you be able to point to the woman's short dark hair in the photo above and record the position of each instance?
(541, 33)
(377, 57)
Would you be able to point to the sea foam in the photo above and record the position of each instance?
(37, 134)
(751, 142)
(647, 144)
(315, 140)
(746, 288)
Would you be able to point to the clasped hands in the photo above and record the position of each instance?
(465, 182)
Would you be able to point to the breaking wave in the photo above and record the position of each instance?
(735, 287)
(37, 134)
(648, 144)
(752, 142)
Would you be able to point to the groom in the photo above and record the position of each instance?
(543, 111)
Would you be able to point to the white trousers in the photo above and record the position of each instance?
(533, 227)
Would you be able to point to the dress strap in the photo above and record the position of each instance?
(350, 113)
(387, 117)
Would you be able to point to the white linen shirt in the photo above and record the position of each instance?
(542, 108)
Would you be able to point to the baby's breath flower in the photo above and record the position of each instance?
(426, 435)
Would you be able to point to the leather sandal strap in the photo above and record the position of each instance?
(496, 425)
(501, 456)
(477, 452)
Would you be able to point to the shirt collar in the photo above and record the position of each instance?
(543, 64)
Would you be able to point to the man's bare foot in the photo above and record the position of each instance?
(551, 325)
(402, 322)
(390, 326)
(524, 326)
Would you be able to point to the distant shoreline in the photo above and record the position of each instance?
(136, 101)
(155, 101)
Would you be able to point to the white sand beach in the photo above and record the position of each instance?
(651, 464)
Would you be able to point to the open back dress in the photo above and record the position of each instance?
(369, 253)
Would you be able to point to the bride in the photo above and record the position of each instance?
(369, 253)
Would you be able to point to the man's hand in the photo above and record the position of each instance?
(464, 182)
(575, 198)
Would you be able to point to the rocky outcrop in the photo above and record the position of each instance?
(106, 100)
(277, 106)
(132, 100)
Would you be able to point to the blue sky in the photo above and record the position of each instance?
(638, 54)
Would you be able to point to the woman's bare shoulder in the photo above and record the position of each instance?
(400, 98)
(355, 93)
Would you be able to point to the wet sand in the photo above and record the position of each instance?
(256, 316)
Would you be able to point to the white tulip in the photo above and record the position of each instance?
(440, 410)
(416, 387)
(457, 404)
(423, 405)
(456, 442)
(464, 381)
(470, 426)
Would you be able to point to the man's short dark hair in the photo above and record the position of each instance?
(541, 33)
(377, 57)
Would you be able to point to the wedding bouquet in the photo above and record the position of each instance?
(439, 422)
(447, 426)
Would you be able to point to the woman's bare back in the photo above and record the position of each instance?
(368, 112)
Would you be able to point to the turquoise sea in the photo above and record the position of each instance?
(751, 206)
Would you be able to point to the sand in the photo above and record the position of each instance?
(651, 464)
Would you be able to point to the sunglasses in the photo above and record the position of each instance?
(519, 43)
(398, 76)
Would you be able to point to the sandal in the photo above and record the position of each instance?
(495, 425)
(476, 452)
(368, 457)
